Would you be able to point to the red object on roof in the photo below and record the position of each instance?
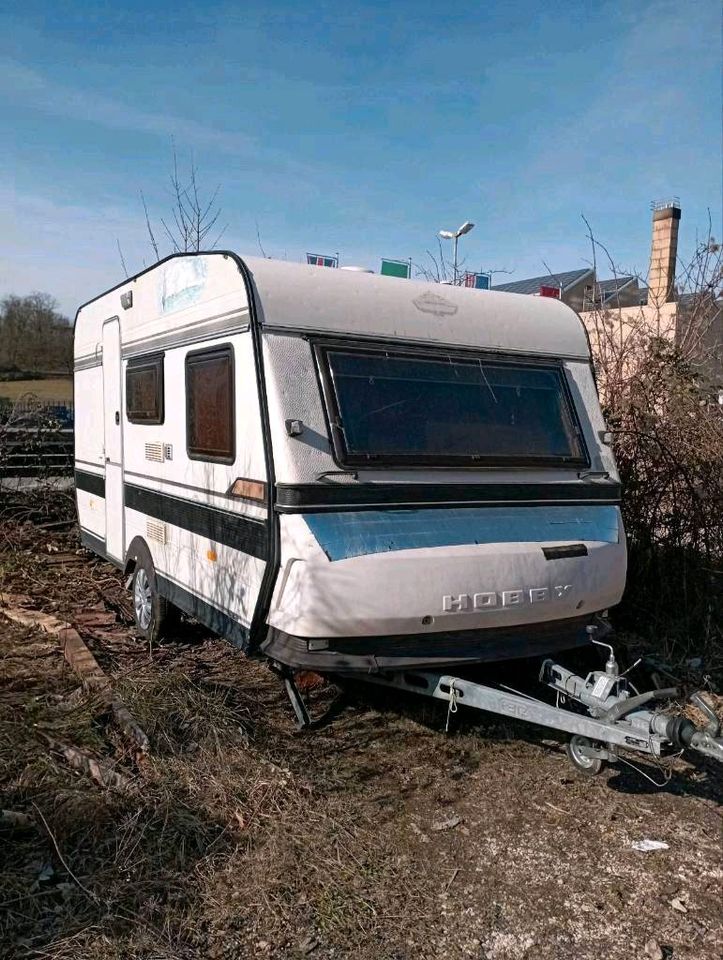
(550, 292)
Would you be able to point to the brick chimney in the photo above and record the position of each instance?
(664, 251)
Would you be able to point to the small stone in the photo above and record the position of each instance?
(447, 823)
(654, 950)
(677, 904)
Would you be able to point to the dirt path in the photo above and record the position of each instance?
(374, 837)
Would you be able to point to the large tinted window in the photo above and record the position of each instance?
(144, 390)
(209, 405)
(414, 409)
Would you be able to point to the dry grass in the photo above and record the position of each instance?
(225, 844)
(54, 388)
(226, 841)
(238, 837)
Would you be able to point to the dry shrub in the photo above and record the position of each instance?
(659, 371)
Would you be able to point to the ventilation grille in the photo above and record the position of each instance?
(154, 451)
(156, 530)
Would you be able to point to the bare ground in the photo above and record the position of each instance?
(375, 836)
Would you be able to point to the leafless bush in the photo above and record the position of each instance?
(658, 371)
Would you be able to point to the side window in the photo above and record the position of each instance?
(210, 405)
(144, 390)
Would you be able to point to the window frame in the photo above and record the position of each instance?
(350, 461)
(216, 351)
(149, 360)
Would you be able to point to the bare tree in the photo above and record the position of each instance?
(122, 258)
(439, 269)
(193, 223)
(34, 336)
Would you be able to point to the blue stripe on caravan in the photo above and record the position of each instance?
(346, 534)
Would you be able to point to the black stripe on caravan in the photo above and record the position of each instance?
(310, 497)
(232, 529)
(205, 612)
(90, 482)
(202, 610)
(94, 543)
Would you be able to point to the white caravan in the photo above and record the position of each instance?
(346, 471)
(363, 476)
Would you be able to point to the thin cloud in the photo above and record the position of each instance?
(29, 86)
(67, 250)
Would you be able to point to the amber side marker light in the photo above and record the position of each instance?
(248, 489)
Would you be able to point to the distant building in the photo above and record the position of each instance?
(581, 290)
(629, 305)
(571, 286)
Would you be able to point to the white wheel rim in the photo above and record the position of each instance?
(580, 758)
(142, 600)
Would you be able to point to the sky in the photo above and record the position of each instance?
(357, 128)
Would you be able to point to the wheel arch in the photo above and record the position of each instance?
(138, 551)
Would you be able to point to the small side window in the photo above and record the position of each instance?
(210, 405)
(144, 390)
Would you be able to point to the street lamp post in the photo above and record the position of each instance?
(455, 235)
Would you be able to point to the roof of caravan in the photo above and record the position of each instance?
(295, 296)
(339, 301)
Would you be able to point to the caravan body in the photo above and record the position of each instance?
(344, 471)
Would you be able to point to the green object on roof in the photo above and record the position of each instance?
(396, 268)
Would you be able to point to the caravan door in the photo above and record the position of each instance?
(113, 439)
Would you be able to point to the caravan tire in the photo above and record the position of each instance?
(150, 609)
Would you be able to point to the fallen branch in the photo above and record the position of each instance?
(95, 769)
(70, 873)
(129, 725)
(29, 618)
(79, 657)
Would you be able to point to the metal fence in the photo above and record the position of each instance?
(31, 409)
(36, 438)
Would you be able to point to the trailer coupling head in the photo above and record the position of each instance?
(683, 733)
